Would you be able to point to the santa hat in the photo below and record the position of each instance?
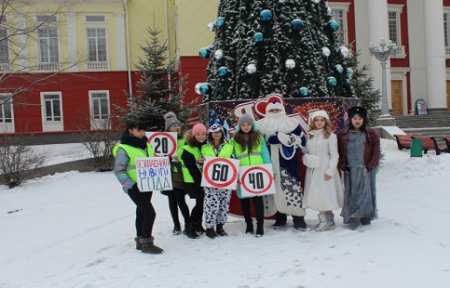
(171, 120)
(318, 113)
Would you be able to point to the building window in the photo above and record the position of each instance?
(446, 32)
(48, 43)
(340, 15)
(6, 114)
(100, 113)
(4, 48)
(394, 25)
(96, 40)
(52, 114)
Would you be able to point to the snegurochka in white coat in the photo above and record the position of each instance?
(323, 185)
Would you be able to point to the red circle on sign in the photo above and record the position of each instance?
(225, 184)
(255, 191)
(171, 139)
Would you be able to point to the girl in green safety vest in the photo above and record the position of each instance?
(176, 197)
(133, 145)
(191, 161)
(217, 201)
(251, 149)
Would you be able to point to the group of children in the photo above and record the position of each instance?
(352, 156)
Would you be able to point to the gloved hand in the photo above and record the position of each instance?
(284, 139)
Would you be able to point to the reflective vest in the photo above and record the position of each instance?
(225, 152)
(247, 158)
(180, 145)
(133, 153)
(196, 152)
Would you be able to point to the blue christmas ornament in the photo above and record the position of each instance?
(349, 73)
(303, 91)
(266, 15)
(339, 68)
(204, 88)
(297, 24)
(258, 37)
(204, 53)
(332, 81)
(334, 25)
(220, 21)
(223, 71)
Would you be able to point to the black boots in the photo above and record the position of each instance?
(220, 231)
(365, 221)
(259, 230)
(210, 233)
(249, 229)
(146, 246)
(280, 220)
(190, 231)
(299, 223)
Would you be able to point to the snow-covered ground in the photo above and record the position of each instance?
(61, 153)
(75, 230)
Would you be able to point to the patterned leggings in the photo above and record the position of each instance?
(217, 202)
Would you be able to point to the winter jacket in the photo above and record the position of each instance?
(190, 163)
(372, 151)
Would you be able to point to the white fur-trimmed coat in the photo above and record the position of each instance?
(321, 158)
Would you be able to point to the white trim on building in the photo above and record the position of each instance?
(52, 118)
(99, 119)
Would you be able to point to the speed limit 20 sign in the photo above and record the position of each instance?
(220, 173)
(256, 180)
(163, 143)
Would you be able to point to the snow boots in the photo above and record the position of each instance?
(259, 230)
(249, 229)
(146, 246)
(326, 221)
(210, 233)
(220, 231)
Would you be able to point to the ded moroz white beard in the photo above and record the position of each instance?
(277, 122)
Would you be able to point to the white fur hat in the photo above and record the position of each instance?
(276, 105)
(318, 113)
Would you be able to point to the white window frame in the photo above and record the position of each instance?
(5, 67)
(344, 7)
(4, 126)
(97, 65)
(447, 48)
(97, 124)
(50, 66)
(398, 9)
(52, 126)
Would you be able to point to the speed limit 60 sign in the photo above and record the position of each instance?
(220, 173)
(163, 143)
(256, 180)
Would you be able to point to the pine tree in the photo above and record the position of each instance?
(159, 88)
(265, 46)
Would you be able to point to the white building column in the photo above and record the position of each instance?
(22, 64)
(435, 54)
(378, 29)
(121, 56)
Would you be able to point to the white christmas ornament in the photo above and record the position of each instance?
(345, 51)
(197, 88)
(316, 1)
(251, 68)
(218, 54)
(326, 52)
(211, 26)
(290, 64)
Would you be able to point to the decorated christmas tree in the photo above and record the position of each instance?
(267, 46)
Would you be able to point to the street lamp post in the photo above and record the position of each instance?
(383, 52)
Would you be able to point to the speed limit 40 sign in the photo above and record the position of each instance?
(256, 180)
(220, 173)
(163, 143)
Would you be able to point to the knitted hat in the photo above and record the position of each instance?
(199, 128)
(246, 118)
(357, 110)
(215, 128)
(171, 120)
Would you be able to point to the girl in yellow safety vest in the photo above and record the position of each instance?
(191, 163)
(176, 197)
(217, 201)
(133, 145)
(251, 149)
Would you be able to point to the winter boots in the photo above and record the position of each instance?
(299, 223)
(210, 233)
(249, 229)
(220, 231)
(326, 221)
(259, 230)
(146, 246)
